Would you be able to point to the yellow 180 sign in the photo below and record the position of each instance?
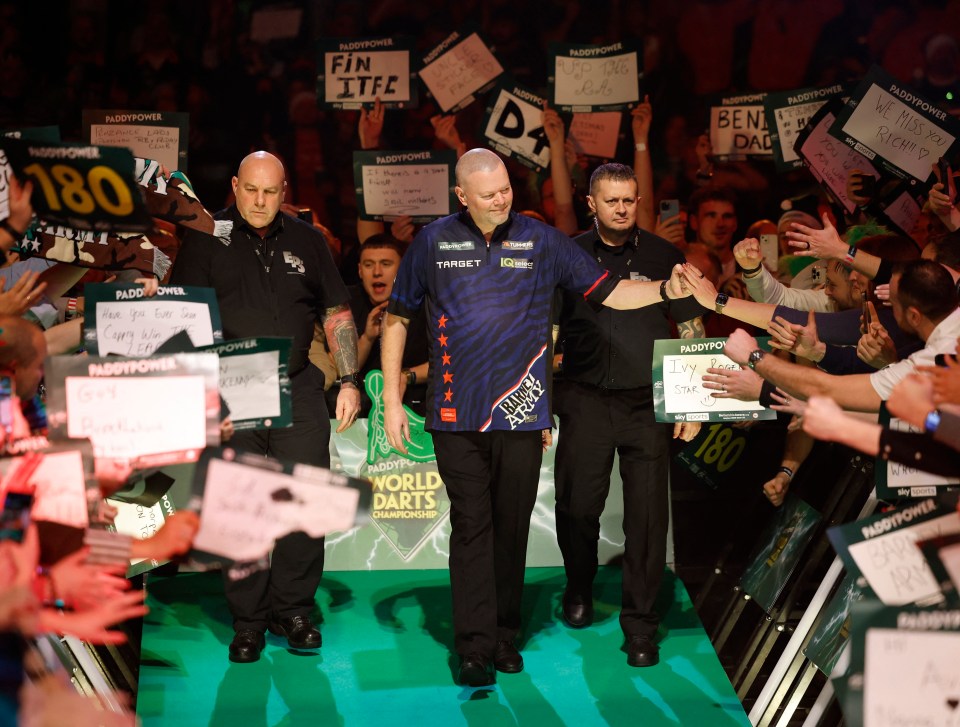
(82, 187)
(66, 187)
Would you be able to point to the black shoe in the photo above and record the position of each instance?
(577, 610)
(507, 659)
(476, 670)
(641, 651)
(246, 646)
(299, 630)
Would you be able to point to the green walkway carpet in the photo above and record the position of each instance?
(385, 662)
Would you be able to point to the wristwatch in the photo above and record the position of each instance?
(349, 379)
(932, 421)
(721, 301)
(754, 359)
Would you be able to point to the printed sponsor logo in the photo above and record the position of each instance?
(680, 417)
(293, 261)
(698, 417)
(455, 246)
(517, 407)
(638, 276)
(517, 263)
(448, 415)
(518, 245)
(864, 150)
(458, 264)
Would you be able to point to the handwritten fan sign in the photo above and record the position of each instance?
(254, 381)
(882, 549)
(900, 131)
(738, 128)
(392, 184)
(900, 206)
(142, 522)
(249, 503)
(904, 668)
(458, 69)
(787, 114)
(160, 135)
(678, 391)
(355, 72)
(514, 127)
(596, 134)
(829, 161)
(121, 320)
(150, 410)
(84, 187)
(586, 78)
(60, 484)
(895, 480)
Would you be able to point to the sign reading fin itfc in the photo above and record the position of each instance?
(787, 114)
(121, 320)
(738, 128)
(514, 127)
(160, 135)
(415, 183)
(902, 132)
(355, 72)
(83, 187)
(678, 391)
(250, 502)
(585, 78)
(458, 69)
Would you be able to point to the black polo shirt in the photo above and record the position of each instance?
(278, 285)
(613, 349)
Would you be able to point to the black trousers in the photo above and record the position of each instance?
(491, 478)
(594, 424)
(289, 586)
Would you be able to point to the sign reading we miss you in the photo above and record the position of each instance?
(393, 184)
(89, 188)
(902, 132)
(160, 135)
(585, 78)
(458, 69)
(738, 127)
(513, 125)
(355, 73)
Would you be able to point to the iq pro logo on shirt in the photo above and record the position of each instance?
(517, 263)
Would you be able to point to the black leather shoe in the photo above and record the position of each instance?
(577, 610)
(476, 670)
(507, 659)
(246, 646)
(299, 630)
(641, 651)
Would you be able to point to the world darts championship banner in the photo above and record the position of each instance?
(410, 512)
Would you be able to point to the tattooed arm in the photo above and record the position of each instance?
(341, 336)
(692, 328)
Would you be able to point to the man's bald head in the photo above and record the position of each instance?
(259, 188)
(477, 160)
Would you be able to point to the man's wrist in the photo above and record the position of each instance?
(349, 380)
(7, 225)
(819, 351)
(749, 273)
(640, 146)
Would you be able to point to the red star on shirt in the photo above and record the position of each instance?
(448, 396)
(443, 340)
(448, 378)
(446, 359)
(442, 321)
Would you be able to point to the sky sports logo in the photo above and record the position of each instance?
(516, 263)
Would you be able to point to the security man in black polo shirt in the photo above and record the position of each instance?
(275, 277)
(604, 401)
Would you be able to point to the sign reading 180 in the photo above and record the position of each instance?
(83, 187)
(65, 186)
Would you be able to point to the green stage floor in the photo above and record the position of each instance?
(386, 661)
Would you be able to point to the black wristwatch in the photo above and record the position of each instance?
(721, 301)
(754, 359)
(350, 379)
